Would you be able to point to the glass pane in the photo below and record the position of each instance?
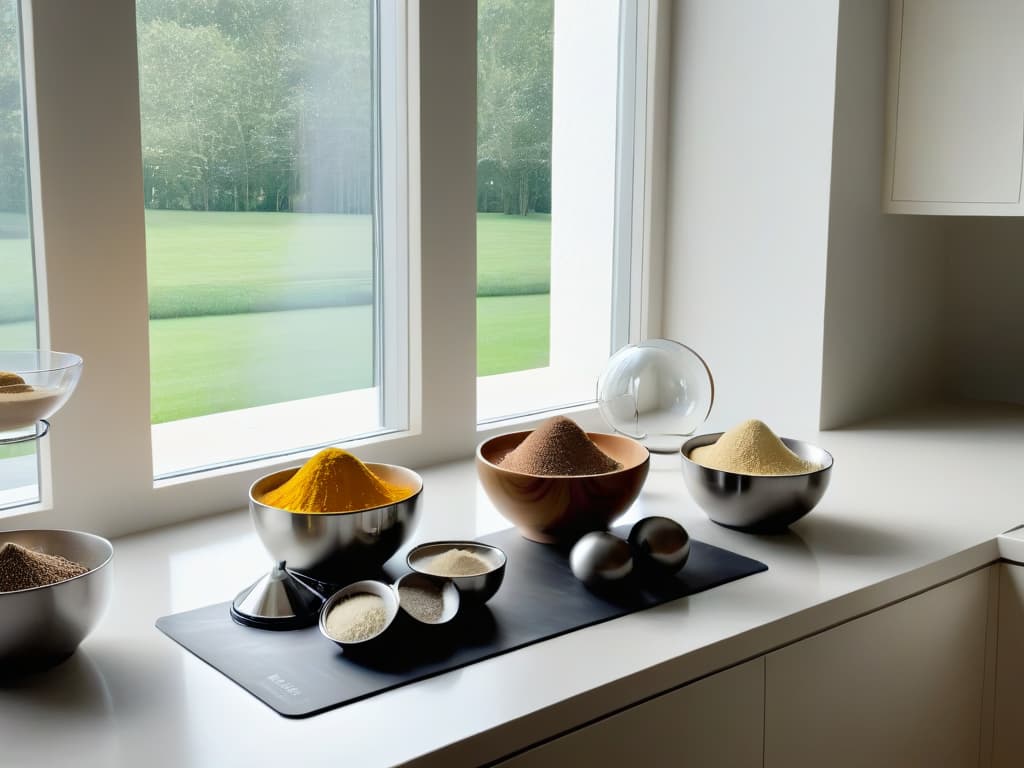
(547, 105)
(259, 162)
(19, 468)
(514, 79)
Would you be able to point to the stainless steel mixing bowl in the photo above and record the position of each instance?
(473, 590)
(42, 626)
(756, 503)
(336, 546)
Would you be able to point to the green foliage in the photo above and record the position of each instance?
(514, 84)
(512, 333)
(250, 106)
(12, 140)
(226, 263)
(203, 365)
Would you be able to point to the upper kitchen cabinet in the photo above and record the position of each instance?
(955, 139)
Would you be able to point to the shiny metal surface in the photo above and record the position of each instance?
(333, 547)
(600, 559)
(276, 601)
(450, 597)
(42, 626)
(659, 544)
(368, 586)
(755, 503)
(473, 590)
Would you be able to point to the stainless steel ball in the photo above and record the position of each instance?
(659, 544)
(600, 559)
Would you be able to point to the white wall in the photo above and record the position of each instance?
(984, 320)
(750, 137)
(885, 272)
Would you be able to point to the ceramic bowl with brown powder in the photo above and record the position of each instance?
(558, 482)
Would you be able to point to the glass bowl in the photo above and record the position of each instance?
(657, 392)
(34, 385)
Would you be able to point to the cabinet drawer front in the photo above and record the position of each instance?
(901, 686)
(717, 721)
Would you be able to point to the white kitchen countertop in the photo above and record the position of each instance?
(913, 502)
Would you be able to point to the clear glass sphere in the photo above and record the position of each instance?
(658, 392)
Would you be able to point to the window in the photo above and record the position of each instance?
(550, 106)
(145, 260)
(18, 463)
(268, 289)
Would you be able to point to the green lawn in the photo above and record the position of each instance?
(252, 308)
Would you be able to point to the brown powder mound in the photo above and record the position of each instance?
(751, 448)
(12, 383)
(8, 379)
(21, 568)
(558, 447)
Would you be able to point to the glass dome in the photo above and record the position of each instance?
(658, 392)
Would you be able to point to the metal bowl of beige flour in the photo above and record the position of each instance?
(757, 503)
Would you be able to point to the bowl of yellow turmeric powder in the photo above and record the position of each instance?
(335, 517)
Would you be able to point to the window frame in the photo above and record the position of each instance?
(86, 180)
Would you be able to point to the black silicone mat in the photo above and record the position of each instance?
(299, 673)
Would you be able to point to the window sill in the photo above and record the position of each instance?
(234, 438)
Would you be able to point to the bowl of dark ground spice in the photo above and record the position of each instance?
(54, 588)
(557, 482)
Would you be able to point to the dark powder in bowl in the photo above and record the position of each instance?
(21, 568)
(558, 447)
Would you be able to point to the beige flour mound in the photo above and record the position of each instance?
(9, 379)
(751, 448)
(457, 562)
(357, 618)
(20, 408)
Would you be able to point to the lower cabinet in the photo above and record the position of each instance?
(1007, 745)
(716, 721)
(903, 686)
(908, 685)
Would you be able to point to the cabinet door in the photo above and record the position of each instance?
(1008, 751)
(901, 686)
(717, 721)
(956, 73)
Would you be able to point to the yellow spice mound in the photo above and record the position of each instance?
(751, 448)
(333, 481)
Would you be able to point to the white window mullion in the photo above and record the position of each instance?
(446, 215)
(84, 134)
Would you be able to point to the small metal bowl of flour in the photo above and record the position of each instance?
(757, 503)
(358, 617)
(476, 569)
